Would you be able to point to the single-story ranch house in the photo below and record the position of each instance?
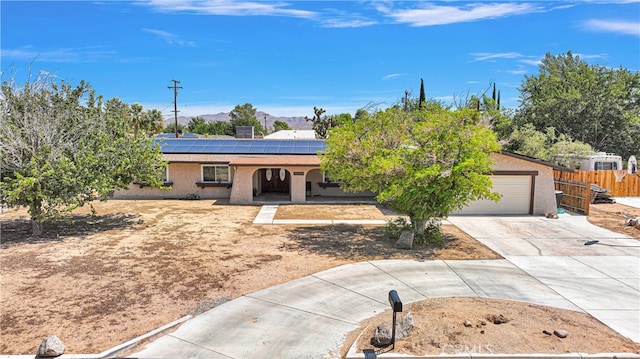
(248, 171)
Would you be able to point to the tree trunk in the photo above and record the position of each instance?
(35, 211)
(36, 228)
(419, 224)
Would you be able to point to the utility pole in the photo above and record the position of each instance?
(265, 124)
(175, 88)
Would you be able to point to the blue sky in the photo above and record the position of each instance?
(286, 57)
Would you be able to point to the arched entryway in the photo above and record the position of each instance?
(272, 184)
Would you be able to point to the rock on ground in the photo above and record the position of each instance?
(405, 241)
(383, 333)
(51, 347)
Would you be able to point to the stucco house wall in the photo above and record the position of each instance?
(183, 177)
(320, 188)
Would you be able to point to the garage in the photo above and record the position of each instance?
(516, 191)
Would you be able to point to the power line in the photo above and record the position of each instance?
(175, 111)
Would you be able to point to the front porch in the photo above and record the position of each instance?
(293, 179)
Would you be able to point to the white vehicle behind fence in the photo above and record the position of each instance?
(594, 162)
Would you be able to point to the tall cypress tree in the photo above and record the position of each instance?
(423, 98)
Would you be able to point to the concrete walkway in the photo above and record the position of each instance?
(546, 262)
(268, 212)
(629, 201)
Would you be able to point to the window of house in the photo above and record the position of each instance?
(326, 177)
(164, 177)
(211, 173)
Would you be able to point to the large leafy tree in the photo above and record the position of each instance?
(280, 126)
(245, 115)
(61, 148)
(201, 126)
(171, 128)
(197, 125)
(425, 163)
(594, 104)
(546, 145)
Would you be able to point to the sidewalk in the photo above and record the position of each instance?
(629, 201)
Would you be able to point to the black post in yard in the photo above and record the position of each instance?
(396, 306)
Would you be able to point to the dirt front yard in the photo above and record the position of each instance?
(97, 282)
(612, 216)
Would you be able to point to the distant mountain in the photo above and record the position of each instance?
(296, 123)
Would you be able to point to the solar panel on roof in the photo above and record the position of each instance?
(235, 146)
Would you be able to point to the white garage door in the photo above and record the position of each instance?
(516, 197)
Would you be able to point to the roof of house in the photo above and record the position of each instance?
(536, 160)
(241, 146)
(276, 147)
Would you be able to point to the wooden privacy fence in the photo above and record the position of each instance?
(629, 186)
(576, 196)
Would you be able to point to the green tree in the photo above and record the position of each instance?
(171, 128)
(221, 128)
(137, 117)
(61, 148)
(245, 115)
(423, 163)
(280, 126)
(197, 125)
(154, 121)
(546, 145)
(423, 97)
(201, 126)
(149, 122)
(322, 124)
(500, 121)
(361, 114)
(590, 103)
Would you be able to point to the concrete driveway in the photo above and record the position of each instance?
(546, 262)
(602, 279)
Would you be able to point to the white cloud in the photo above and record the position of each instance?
(171, 39)
(88, 54)
(391, 76)
(532, 61)
(485, 56)
(430, 14)
(343, 23)
(619, 27)
(519, 71)
(228, 7)
(591, 56)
